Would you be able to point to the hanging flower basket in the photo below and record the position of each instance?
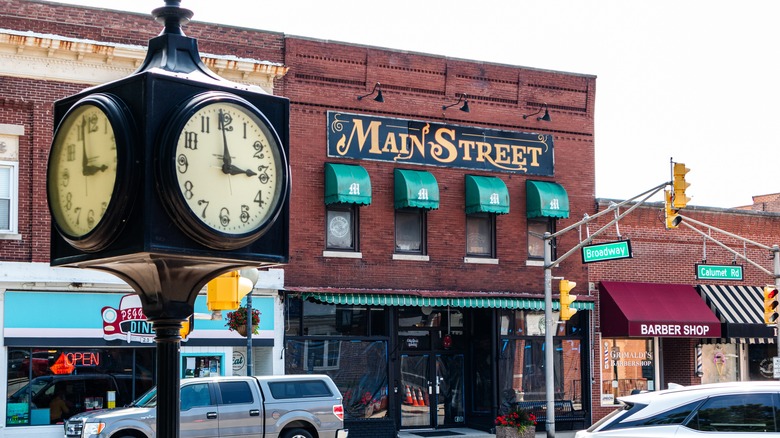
(236, 321)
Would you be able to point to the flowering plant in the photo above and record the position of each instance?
(237, 318)
(517, 418)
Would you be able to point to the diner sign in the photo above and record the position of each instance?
(365, 137)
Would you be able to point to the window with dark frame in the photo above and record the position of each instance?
(481, 235)
(410, 231)
(341, 227)
(536, 229)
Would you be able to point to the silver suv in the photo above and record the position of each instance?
(730, 410)
(294, 406)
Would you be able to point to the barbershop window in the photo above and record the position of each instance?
(410, 226)
(47, 386)
(342, 227)
(481, 235)
(628, 365)
(536, 229)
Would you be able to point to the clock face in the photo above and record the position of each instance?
(82, 170)
(229, 172)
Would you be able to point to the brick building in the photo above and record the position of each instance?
(662, 285)
(415, 276)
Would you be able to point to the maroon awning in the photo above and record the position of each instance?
(654, 309)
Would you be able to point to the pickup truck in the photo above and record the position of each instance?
(293, 406)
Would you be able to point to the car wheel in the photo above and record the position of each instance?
(297, 433)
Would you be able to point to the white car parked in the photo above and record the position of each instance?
(733, 410)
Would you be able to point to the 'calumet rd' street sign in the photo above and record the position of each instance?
(719, 272)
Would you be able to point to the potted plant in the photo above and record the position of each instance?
(516, 423)
(236, 320)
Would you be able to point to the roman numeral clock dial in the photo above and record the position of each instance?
(224, 171)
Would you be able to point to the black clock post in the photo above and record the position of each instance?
(162, 228)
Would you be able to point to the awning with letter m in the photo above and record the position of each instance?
(347, 184)
(486, 194)
(416, 189)
(546, 199)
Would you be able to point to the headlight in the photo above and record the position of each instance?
(93, 428)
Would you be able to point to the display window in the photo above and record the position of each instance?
(718, 362)
(200, 365)
(627, 366)
(47, 386)
(521, 357)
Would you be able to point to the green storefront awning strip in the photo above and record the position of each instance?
(415, 188)
(347, 184)
(486, 194)
(419, 301)
(546, 199)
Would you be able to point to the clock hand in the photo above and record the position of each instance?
(226, 160)
(84, 159)
(234, 170)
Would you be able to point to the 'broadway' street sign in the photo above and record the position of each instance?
(607, 251)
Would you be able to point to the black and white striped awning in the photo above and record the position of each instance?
(741, 310)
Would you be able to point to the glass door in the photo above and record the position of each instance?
(450, 402)
(416, 387)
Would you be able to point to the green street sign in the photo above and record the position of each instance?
(719, 272)
(607, 251)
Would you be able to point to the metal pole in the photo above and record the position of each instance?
(548, 338)
(776, 256)
(168, 340)
(249, 330)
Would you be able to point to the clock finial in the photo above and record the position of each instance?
(173, 16)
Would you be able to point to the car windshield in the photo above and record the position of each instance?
(148, 400)
(609, 417)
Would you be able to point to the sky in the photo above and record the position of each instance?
(693, 81)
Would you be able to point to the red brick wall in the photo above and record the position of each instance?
(328, 77)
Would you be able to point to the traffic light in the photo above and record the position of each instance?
(187, 326)
(670, 213)
(770, 305)
(566, 311)
(226, 291)
(679, 184)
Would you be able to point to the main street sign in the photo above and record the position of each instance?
(607, 251)
(719, 272)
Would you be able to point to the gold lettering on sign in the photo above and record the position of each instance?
(394, 140)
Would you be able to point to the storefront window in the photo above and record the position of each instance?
(627, 365)
(521, 358)
(359, 369)
(720, 363)
(46, 386)
(760, 366)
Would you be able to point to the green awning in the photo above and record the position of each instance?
(415, 188)
(420, 301)
(546, 199)
(347, 184)
(486, 194)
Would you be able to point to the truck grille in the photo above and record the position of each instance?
(73, 428)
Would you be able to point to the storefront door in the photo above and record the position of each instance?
(433, 388)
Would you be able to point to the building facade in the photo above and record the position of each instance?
(684, 310)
